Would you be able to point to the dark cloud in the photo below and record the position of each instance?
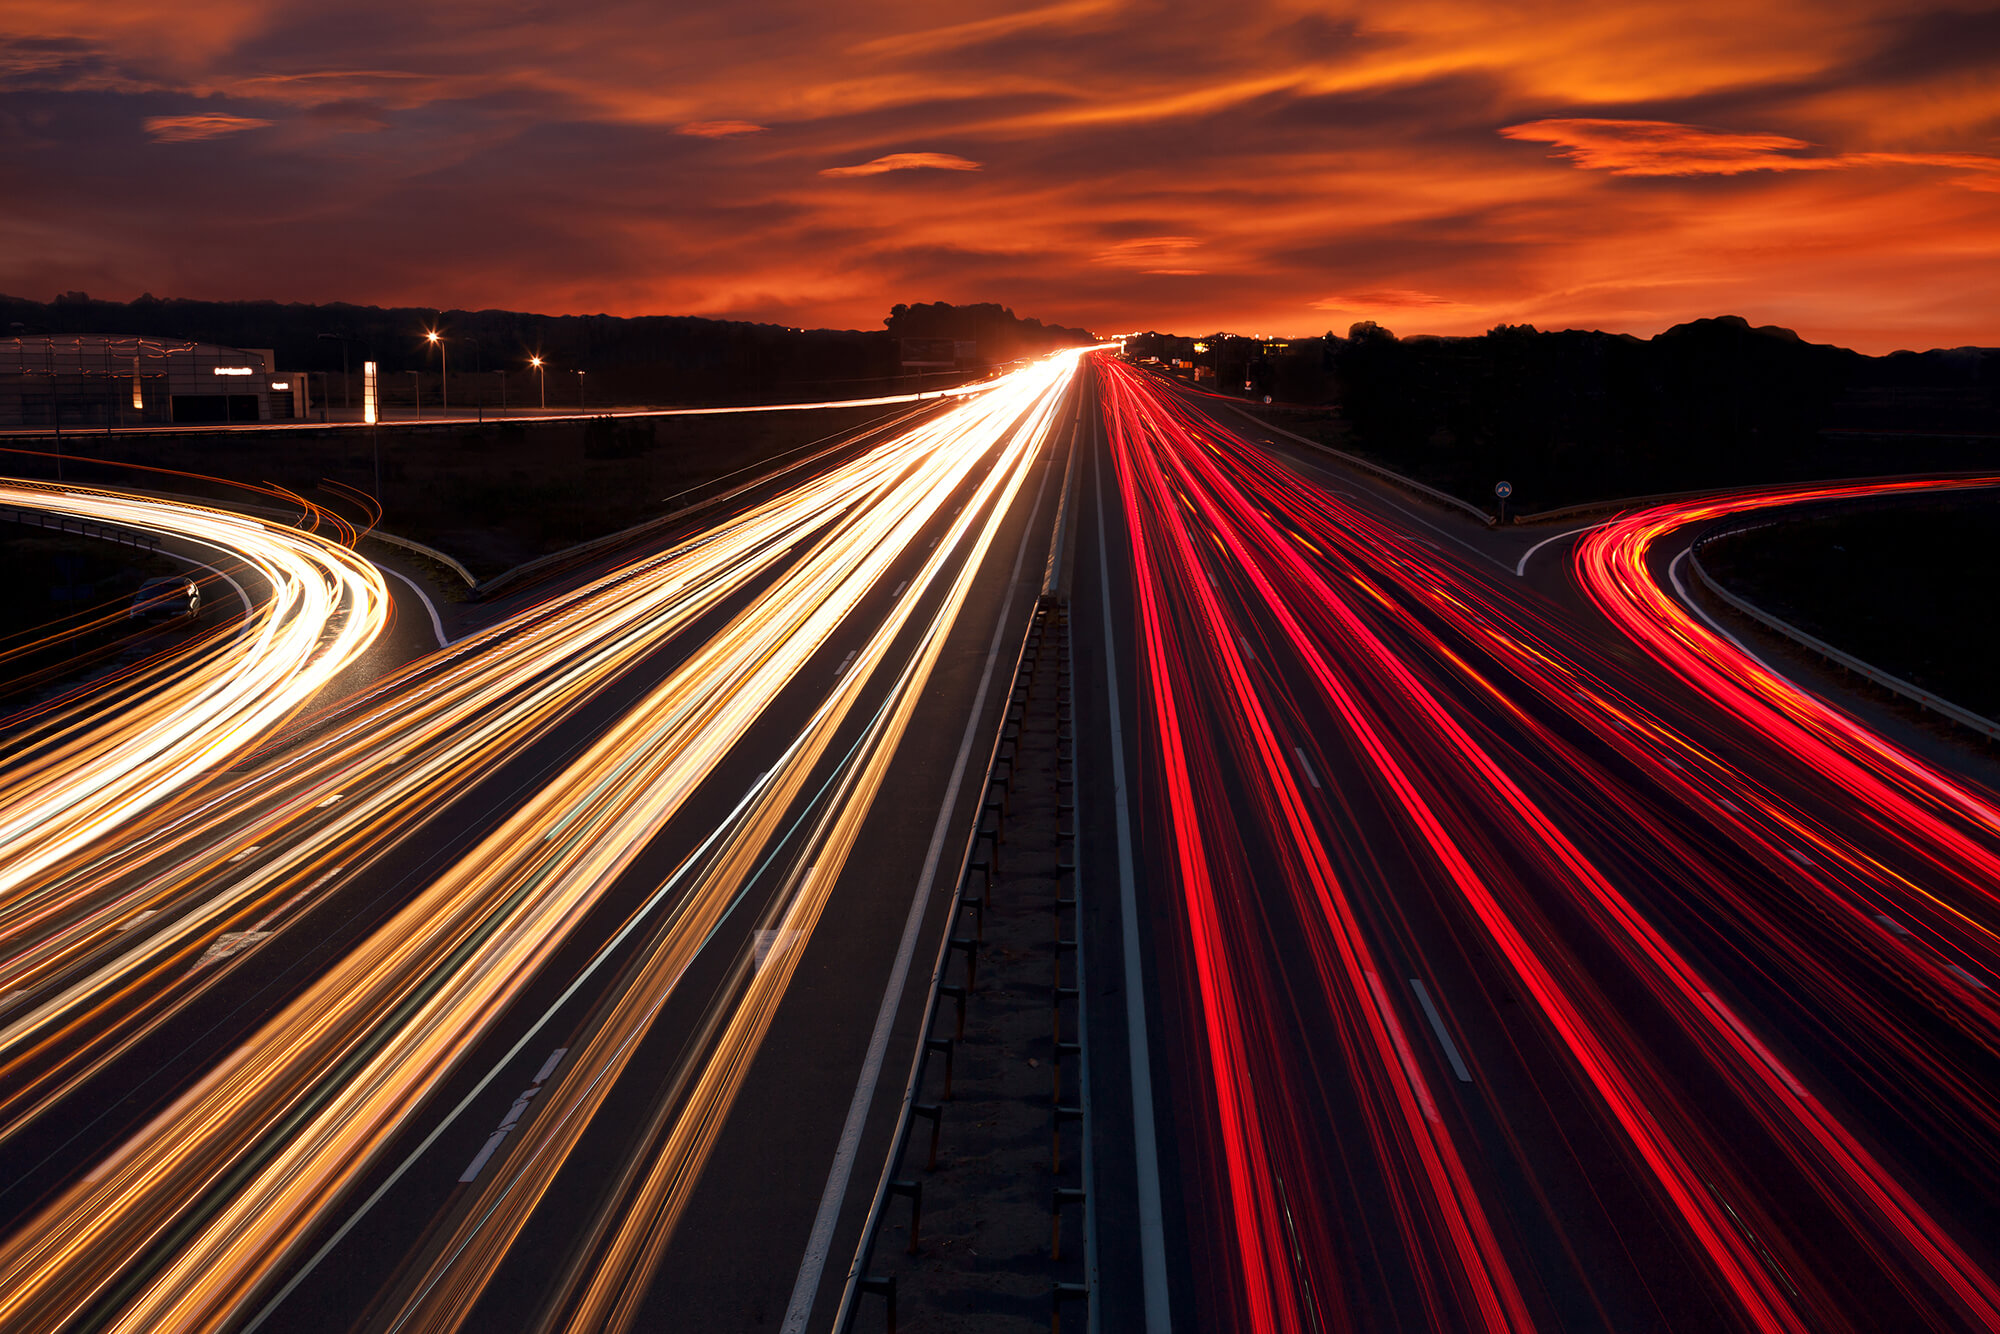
(1917, 47)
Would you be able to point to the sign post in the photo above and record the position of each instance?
(1502, 490)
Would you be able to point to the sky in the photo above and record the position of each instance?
(1438, 166)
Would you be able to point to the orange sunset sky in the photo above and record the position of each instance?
(1437, 165)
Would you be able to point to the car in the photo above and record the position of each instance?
(170, 597)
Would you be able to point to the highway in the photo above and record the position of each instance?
(1522, 961)
(1474, 947)
(606, 850)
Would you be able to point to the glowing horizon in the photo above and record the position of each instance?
(1439, 168)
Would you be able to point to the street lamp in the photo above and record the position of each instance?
(579, 391)
(541, 375)
(444, 368)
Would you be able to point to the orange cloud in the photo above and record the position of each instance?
(718, 129)
(1665, 148)
(1145, 252)
(906, 162)
(1397, 299)
(1827, 167)
(184, 129)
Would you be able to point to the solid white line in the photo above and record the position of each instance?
(1680, 589)
(1306, 764)
(805, 1290)
(1444, 1038)
(1145, 1147)
(437, 626)
(1522, 567)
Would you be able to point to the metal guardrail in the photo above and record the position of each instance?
(1964, 717)
(858, 1278)
(1050, 605)
(1704, 493)
(1366, 465)
(431, 553)
(63, 523)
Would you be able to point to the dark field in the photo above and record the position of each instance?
(1914, 590)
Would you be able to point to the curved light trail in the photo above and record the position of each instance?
(84, 774)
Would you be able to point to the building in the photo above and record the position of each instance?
(66, 380)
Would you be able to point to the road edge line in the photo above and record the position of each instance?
(812, 1266)
(1145, 1142)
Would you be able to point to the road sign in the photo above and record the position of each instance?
(1503, 489)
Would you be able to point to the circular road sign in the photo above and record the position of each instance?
(1267, 398)
(1503, 489)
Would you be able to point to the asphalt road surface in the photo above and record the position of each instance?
(1510, 963)
(1477, 940)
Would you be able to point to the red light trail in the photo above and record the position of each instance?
(1497, 779)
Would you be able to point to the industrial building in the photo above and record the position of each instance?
(68, 381)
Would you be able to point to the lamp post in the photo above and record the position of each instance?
(444, 368)
(579, 391)
(417, 392)
(541, 375)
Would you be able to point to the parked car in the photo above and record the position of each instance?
(169, 598)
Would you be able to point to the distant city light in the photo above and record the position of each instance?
(368, 392)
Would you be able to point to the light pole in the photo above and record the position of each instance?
(417, 392)
(444, 368)
(579, 391)
(542, 376)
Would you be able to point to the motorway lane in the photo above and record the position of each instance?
(736, 1250)
(954, 547)
(1595, 1213)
